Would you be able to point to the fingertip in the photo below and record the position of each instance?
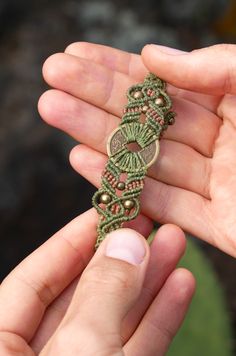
(127, 245)
(142, 224)
(77, 48)
(146, 55)
(154, 49)
(74, 155)
(171, 228)
(145, 49)
(173, 236)
(50, 67)
(183, 285)
(157, 61)
(50, 106)
(170, 64)
(44, 105)
(86, 161)
(70, 49)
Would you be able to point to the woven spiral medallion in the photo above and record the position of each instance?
(145, 118)
(129, 161)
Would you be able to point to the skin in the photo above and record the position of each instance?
(192, 184)
(50, 304)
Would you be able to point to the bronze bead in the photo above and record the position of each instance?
(128, 204)
(171, 121)
(105, 198)
(159, 101)
(120, 185)
(138, 94)
(144, 108)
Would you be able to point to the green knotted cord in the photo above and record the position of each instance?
(146, 116)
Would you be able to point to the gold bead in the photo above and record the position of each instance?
(144, 108)
(120, 185)
(171, 121)
(138, 94)
(105, 198)
(159, 101)
(128, 204)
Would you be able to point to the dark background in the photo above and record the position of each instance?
(39, 191)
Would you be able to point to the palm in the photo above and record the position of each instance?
(191, 183)
(222, 183)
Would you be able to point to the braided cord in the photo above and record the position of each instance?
(146, 116)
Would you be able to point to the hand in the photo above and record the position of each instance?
(128, 299)
(193, 182)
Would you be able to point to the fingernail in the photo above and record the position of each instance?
(169, 50)
(125, 245)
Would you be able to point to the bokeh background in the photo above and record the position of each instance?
(39, 191)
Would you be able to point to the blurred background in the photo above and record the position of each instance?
(39, 190)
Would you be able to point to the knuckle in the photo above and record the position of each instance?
(166, 332)
(227, 52)
(164, 196)
(207, 171)
(41, 289)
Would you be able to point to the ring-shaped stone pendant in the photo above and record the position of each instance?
(127, 160)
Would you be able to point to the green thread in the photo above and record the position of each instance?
(146, 116)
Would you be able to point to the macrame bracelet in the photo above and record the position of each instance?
(146, 116)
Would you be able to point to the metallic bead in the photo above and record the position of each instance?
(159, 101)
(171, 121)
(128, 204)
(120, 185)
(138, 95)
(105, 198)
(144, 108)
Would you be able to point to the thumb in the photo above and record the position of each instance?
(210, 70)
(107, 289)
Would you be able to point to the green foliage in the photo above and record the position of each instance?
(206, 329)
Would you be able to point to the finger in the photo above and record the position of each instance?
(89, 81)
(39, 279)
(132, 65)
(166, 250)
(164, 317)
(207, 101)
(57, 309)
(180, 166)
(108, 288)
(159, 201)
(194, 125)
(115, 59)
(11, 344)
(142, 224)
(52, 317)
(209, 70)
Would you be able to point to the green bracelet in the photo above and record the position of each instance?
(146, 116)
